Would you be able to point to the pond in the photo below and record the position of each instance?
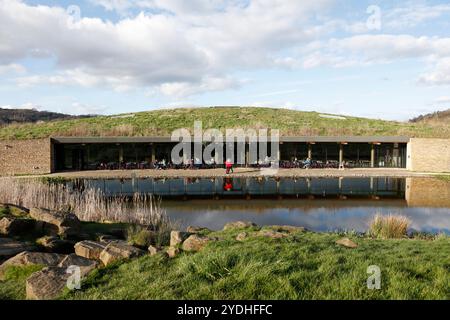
(319, 204)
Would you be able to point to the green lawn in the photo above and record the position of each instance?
(302, 266)
(163, 122)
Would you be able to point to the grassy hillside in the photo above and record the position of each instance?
(163, 122)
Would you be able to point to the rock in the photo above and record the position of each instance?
(10, 226)
(106, 238)
(193, 229)
(115, 251)
(153, 250)
(195, 243)
(46, 284)
(242, 236)
(86, 265)
(9, 248)
(346, 242)
(177, 238)
(60, 223)
(90, 249)
(55, 244)
(267, 233)
(239, 225)
(32, 258)
(288, 229)
(172, 252)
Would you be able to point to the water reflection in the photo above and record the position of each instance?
(319, 204)
(254, 187)
(316, 215)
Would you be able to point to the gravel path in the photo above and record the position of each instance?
(242, 172)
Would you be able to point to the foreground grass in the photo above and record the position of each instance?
(163, 122)
(13, 287)
(302, 266)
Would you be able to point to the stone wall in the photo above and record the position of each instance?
(426, 192)
(19, 157)
(428, 155)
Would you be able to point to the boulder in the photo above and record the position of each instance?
(177, 238)
(86, 265)
(46, 284)
(268, 233)
(239, 225)
(9, 248)
(193, 229)
(32, 258)
(106, 238)
(119, 250)
(346, 242)
(242, 236)
(55, 244)
(11, 226)
(90, 249)
(172, 252)
(195, 243)
(56, 222)
(153, 250)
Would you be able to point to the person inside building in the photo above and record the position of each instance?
(307, 163)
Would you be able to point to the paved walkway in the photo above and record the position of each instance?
(242, 172)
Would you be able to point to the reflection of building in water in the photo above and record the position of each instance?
(426, 192)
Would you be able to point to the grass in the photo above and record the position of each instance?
(13, 287)
(302, 266)
(444, 177)
(163, 122)
(389, 227)
(7, 211)
(139, 236)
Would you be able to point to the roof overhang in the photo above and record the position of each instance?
(305, 139)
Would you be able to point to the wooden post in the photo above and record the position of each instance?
(120, 153)
(341, 155)
(247, 154)
(152, 153)
(310, 150)
(372, 156)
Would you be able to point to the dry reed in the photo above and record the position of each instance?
(389, 227)
(89, 204)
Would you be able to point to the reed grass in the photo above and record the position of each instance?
(88, 203)
(389, 227)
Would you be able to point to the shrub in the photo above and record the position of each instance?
(140, 236)
(389, 227)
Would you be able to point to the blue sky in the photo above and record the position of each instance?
(380, 59)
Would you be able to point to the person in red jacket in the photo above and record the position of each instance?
(229, 166)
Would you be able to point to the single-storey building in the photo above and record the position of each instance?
(56, 154)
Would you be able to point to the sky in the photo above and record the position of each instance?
(377, 59)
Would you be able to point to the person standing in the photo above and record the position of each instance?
(229, 166)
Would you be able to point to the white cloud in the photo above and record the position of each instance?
(84, 109)
(27, 106)
(175, 52)
(183, 89)
(413, 15)
(443, 100)
(440, 75)
(12, 68)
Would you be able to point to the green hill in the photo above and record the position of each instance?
(163, 122)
